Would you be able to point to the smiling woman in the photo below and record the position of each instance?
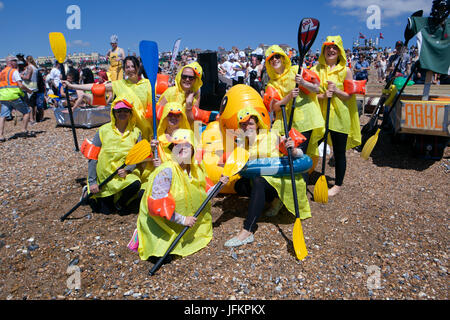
(111, 144)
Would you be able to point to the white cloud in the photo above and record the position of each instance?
(79, 43)
(1, 5)
(389, 8)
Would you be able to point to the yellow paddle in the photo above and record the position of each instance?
(58, 45)
(137, 154)
(297, 232)
(321, 186)
(370, 144)
(235, 162)
(59, 49)
(372, 141)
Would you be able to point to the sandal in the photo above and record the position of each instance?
(2, 139)
(235, 242)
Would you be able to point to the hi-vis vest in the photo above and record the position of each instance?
(9, 90)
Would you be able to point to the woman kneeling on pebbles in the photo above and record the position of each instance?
(110, 146)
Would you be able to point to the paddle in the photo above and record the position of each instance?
(371, 127)
(321, 186)
(149, 55)
(297, 232)
(372, 141)
(137, 154)
(59, 49)
(235, 162)
(307, 33)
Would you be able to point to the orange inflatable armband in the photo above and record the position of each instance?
(89, 150)
(149, 111)
(355, 86)
(200, 114)
(98, 94)
(163, 207)
(296, 136)
(271, 93)
(309, 76)
(162, 83)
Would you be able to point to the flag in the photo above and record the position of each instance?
(361, 36)
(381, 36)
(176, 47)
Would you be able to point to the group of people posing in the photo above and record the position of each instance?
(168, 189)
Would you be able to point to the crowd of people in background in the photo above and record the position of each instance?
(234, 66)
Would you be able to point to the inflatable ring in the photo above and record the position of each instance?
(276, 167)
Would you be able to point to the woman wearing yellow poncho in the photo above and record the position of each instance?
(281, 90)
(261, 142)
(344, 118)
(173, 118)
(175, 191)
(186, 91)
(106, 153)
(136, 89)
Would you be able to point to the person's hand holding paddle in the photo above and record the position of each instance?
(122, 173)
(94, 188)
(289, 143)
(190, 221)
(224, 179)
(294, 93)
(154, 144)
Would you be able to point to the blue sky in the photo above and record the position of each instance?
(200, 24)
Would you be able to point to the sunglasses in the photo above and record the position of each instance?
(275, 56)
(122, 110)
(187, 77)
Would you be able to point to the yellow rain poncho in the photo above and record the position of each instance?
(307, 114)
(113, 152)
(140, 95)
(344, 117)
(266, 146)
(187, 191)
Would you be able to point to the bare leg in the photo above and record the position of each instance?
(2, 127)
(26, 120)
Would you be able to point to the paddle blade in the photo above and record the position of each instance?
(148, 51)
(370, 144)
(138, 153)
(321, 190)
(58, 45)
(299, 240)
(307, 33)
(235, 161)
